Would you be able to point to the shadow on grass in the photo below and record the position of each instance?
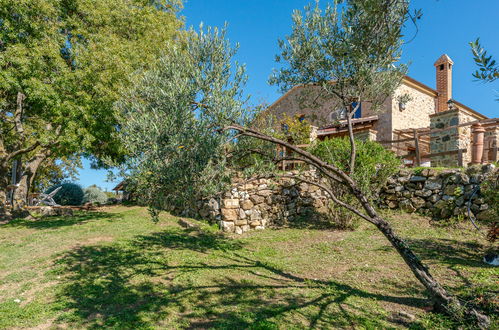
(61, 221)
(194, 279)
(448, 251)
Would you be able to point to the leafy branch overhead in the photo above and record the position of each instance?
(488, 69)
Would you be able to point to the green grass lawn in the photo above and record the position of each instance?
(117, 269)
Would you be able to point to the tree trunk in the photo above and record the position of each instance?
(27, 177)
(443, 302)
(4, 182)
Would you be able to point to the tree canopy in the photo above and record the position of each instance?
(63, 64)
(173, 121)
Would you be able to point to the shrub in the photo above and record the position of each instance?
(95, 195)
(373, 166)
(70, 194)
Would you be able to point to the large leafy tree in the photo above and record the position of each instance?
(63, 64)
(185, 123)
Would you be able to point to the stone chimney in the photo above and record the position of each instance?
(443, 67)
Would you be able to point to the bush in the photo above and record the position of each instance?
(70, 194)
(95, 195)
(373, 166)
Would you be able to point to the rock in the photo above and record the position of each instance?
(256, 199)
(227, 226)
(484, 207)
(230, 203)
(403, 179)
(434, 198)
(417, 178)
(256, 216)
(403, 317)
(446, 213)
(475, 208)
(441, 204)
(423, 193)
(246, 204)
(245, 228)
(462, 178)
(488, 168)
(229, 214)
(418, 202)
(204, 212)
(399, 188)
(255, 223)
(391, 197)
(259, 228)
(241, 222)
(242, 214)
(239, 230)
(265, 193)
(392, 204)
(433, 185)
(448, 198)
(406, 206)
(187, 224)
(450, 189)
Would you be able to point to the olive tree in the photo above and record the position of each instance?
(185, 121)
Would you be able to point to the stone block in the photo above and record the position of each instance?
(230, 214)
(246, 204)
(417, 178)
(255, 223)
(227, 226)
(433, 185)
(256, 199)
(230, 203)
(406, 206)
(418, 202)
(265, 193)
(241, 222)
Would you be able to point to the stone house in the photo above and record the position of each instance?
(415, 129)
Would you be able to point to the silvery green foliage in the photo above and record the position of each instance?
(95, 195)
(173, 120)
(350, 50)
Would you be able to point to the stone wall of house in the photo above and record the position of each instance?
(417, 111)
(440, 194)
(452, 139)
(366, 135)
(258, 204)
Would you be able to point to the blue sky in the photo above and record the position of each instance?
(447, 26)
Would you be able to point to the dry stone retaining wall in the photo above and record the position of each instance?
(440, 194)
(261, 203)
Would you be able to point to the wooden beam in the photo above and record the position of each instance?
(416, 143)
